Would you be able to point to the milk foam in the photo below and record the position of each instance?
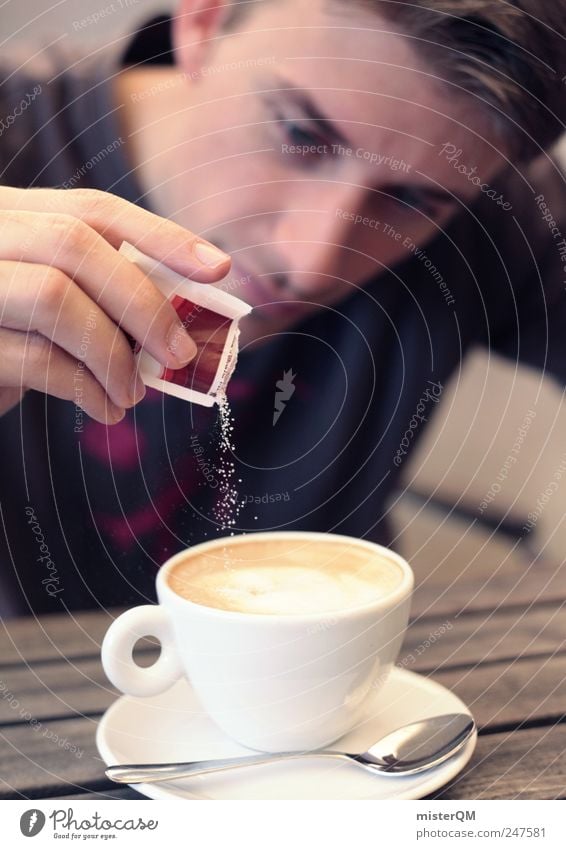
(282, 577)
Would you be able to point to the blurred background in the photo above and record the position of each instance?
(32, 19)
(436, 514)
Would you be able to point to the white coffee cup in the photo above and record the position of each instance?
(272, 682)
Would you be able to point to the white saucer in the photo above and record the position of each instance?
(174, 727)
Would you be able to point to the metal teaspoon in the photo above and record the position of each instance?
(406, 751)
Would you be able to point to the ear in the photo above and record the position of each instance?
(195, 26)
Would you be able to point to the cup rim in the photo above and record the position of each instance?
(384, 602)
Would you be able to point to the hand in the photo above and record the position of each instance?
(68, 298)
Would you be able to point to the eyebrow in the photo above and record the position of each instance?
(301, 98)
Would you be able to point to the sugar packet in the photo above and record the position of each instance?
(210, 316)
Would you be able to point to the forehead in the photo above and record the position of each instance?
(371, 81)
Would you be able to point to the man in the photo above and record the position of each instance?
(378, 175)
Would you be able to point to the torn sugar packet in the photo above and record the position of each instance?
(210, 317)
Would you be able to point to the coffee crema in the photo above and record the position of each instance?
(285, 577)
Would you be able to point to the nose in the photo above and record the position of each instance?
(315, 235)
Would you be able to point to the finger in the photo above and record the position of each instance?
(30, 361)
(117, 220)
(43, 299)
(108, 278)
(9, 397)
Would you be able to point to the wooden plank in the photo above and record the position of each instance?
(508, 694)
(470, 585)
(65, 688)
(57, 690)
(526, 764)
(484, 636)
(51, 760)
(54, 636)
(461, 565)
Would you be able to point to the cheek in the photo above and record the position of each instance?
(385, 248)
(230, 159)
(245, 189)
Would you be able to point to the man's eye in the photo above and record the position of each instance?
(304, 140)
(413, 200)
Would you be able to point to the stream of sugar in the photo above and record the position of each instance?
(227, 507)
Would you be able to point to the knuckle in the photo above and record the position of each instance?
(91, 199)
(120, 361)
(37, 350)
(154, 306)
(54, 286)
(71, 235)
(121, 354)
(96, 205)
(5, 348)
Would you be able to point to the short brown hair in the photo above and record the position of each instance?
(509, 56)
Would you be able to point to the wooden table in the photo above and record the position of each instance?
(502, 650)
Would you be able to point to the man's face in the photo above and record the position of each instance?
(309, 146)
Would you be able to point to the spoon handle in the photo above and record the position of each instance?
(138, 773)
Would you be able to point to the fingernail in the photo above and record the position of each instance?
(180, 344)
(137, 388)
(209, 255)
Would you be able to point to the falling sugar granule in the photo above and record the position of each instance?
(227, 507)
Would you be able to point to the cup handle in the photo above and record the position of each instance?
(117, 647)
